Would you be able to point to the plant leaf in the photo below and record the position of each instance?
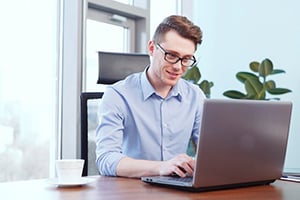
(254, 88)
(269, 84)
(193, 74)
(274, 98)
(277, 71)
(254, 66)
(243, 76)
(205, 87)
(265, 68)
(257, 86)
(278, 91)
(206, 84)
(234, 94)
(262, 96)
(257, 96)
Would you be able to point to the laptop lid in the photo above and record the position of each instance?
(242, 142)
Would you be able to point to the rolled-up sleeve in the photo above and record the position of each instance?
(109, 134)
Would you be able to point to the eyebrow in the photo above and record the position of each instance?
(177, 53)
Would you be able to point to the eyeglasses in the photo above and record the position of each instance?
(172, 58)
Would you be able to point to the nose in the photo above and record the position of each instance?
(177, 66)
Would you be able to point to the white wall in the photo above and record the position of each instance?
(238, 32)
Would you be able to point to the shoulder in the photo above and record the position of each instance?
(189, 89)
(130, 84)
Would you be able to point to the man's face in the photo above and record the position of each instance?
(165, 73)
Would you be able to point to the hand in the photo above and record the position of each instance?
(182, 165)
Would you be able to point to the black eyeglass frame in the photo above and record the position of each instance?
(193, 59)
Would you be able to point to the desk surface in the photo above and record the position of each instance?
(124, 188)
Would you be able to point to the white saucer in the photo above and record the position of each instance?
(80, 182)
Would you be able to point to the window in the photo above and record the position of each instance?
(117, 39)
(169, 7)
(28, 88)
(30, 77)
(124, 35)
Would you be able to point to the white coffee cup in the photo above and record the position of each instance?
(69, 170)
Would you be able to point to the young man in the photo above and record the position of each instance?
(147, 119)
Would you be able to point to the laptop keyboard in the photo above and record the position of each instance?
(180, 179)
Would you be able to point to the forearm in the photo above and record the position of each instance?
(133, 168)
(182, 165)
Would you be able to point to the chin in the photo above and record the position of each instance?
(171, 82)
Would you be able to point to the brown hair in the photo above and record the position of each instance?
(182, 25)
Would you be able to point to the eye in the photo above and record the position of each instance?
(188, 61)
(171, 56)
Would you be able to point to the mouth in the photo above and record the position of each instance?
(173, 75)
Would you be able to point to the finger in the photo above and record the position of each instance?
(187, 169)
(187, 165)
(180, 172)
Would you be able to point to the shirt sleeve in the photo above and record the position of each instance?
(109, 133)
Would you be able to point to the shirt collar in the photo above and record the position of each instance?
(148, 89)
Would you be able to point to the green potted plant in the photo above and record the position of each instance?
(257, 83)
(193, 75)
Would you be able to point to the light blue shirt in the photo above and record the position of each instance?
(136, 122)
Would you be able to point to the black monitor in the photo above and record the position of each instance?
(116, 66)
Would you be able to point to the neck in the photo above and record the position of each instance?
(160, 88)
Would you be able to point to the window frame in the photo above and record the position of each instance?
(73, 64)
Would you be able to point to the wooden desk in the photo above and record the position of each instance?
(124, 188)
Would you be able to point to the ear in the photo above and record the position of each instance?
(151, 47)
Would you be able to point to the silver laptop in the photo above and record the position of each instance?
(241, 143)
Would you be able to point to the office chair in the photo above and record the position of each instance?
(88, 146)
(112, 68)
